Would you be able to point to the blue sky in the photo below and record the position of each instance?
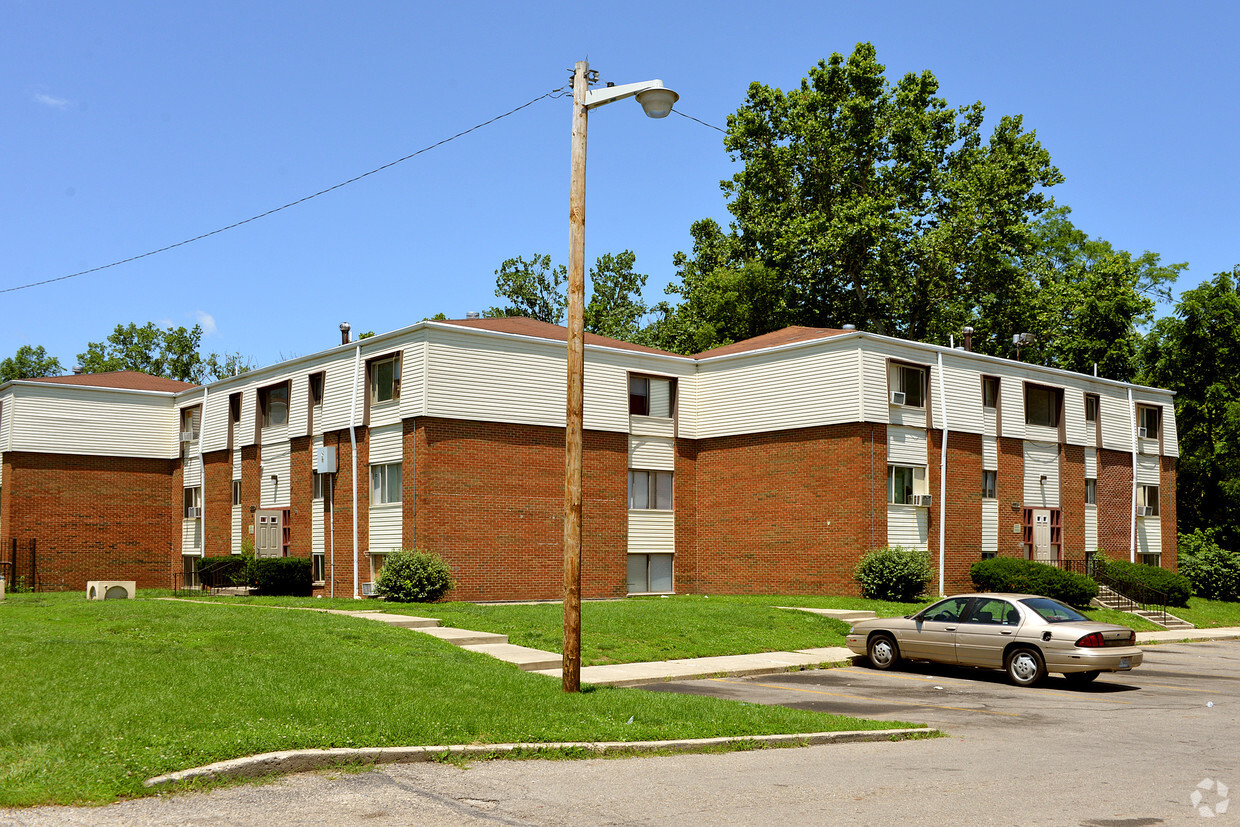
(128, 126)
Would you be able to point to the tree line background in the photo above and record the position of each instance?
(862, 201)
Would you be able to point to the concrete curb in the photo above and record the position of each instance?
(271, 763)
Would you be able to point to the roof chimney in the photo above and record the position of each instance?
(968, 338)
(344, 333)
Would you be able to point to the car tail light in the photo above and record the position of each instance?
(1094, 640)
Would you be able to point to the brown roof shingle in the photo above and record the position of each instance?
(130, 380)
(525, 326)
(787, 336)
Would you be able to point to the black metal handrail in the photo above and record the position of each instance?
(1129, 595)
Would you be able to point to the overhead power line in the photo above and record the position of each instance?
(555, 93)
(703, 123)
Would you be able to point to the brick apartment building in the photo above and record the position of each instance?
(766, 466)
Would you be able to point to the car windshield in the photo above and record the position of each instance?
(1052, 611)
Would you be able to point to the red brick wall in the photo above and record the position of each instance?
(1010, 488)
(339, 570)
(789, 511)
(301, 493)
(1114, 502)
(93, 518)
(490, 499)
(963, 526)
(217, 500)
(1072, 500)
(1166, 510)
(685, 572)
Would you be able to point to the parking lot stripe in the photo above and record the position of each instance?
(874, 700)
(1183, 688)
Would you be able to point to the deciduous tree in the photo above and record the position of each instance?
(30, 362)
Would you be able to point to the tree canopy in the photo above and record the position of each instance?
(169, 352)
(30, 362)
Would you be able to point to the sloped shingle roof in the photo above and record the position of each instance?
(787, 336)
(130, 380)
(525, 326)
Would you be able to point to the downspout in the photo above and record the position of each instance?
(942, 480)
(202, 473)
(1132, 512)
(357, 366)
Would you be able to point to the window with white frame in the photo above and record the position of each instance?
(385, 484)
(651, 396)
(1147, 500)
(1091, 407)
(188, 432)
(990, 485)
(236, 492)
(1150, 558)
(650, 490)
(1091, 491)
(650, 573)
(385, 379)
(1148, 420)
(318, 486)
(193, 502)
(907, 384)
(318, 566)
(1042, 406)
(904, 482)
(273, 403)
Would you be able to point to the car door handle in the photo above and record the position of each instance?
(949, 628)
(1005, 631)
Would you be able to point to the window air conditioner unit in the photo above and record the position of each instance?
(193, 511)
(368, 590)
(923, 500)
(189, 436)
(897, 397)
(1142, 433)
(1144, 511)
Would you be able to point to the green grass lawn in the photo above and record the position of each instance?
(1209, 614)
(98, 696)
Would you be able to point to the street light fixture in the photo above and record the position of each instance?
(657, 101)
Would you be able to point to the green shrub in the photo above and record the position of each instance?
(220, 572)
(414, 576)
(1011, 574)
(1213, 570)
(289, 576)
(893, 573)
(1127, 577)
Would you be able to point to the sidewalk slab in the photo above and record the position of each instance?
(463, 637)
(1176, 635)
(400, 621)
(763, 663)
(846, 615)
(524, 657)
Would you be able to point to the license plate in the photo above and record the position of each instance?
(1125, 663)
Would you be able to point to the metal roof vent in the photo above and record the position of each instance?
(77, 370)
(473, 314)
(345, 327)
(849, 327)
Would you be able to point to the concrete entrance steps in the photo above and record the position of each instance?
(1108, 598)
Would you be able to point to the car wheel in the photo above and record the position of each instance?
(883, 651)
(1025, 666)
(1081, 677)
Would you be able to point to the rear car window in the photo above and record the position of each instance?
(1052, 611)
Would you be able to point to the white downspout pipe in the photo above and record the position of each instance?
(1132, 511)
(942, 480)
(202, 475)
(357, 367)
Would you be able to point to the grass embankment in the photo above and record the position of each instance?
(1209, 614)
(99, 696)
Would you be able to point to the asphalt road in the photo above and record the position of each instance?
(1128, 750)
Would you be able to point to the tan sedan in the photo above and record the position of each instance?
(1024, 634)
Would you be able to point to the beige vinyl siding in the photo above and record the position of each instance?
(906, 446)
(1091, 528)
(318, 543)
(872, 385)
(237, 536)
(385, 528)
(6, 414)
(1147, 470)
(990, 453)
(990, 422)
(413, 378)
(338, 391)
(990, 526)
(191, 536)
(652, 453)
(1041, 433)
(1113, 410)
(493, 379)
(652, 426)
(215, 421)
(244, 435)
(1075, 432)
(1012, 402)
(274, 435)
(963, 385)
(606, 393)
(1091, 463)
(1149, 536)
(191, 471)
(776, 391)
(236, 463)
(298, 407)
(275, 460)
(386, 444)
(652, 532)
(1171, 441)
(62, 419)
(1041, 458)
(908, 526)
